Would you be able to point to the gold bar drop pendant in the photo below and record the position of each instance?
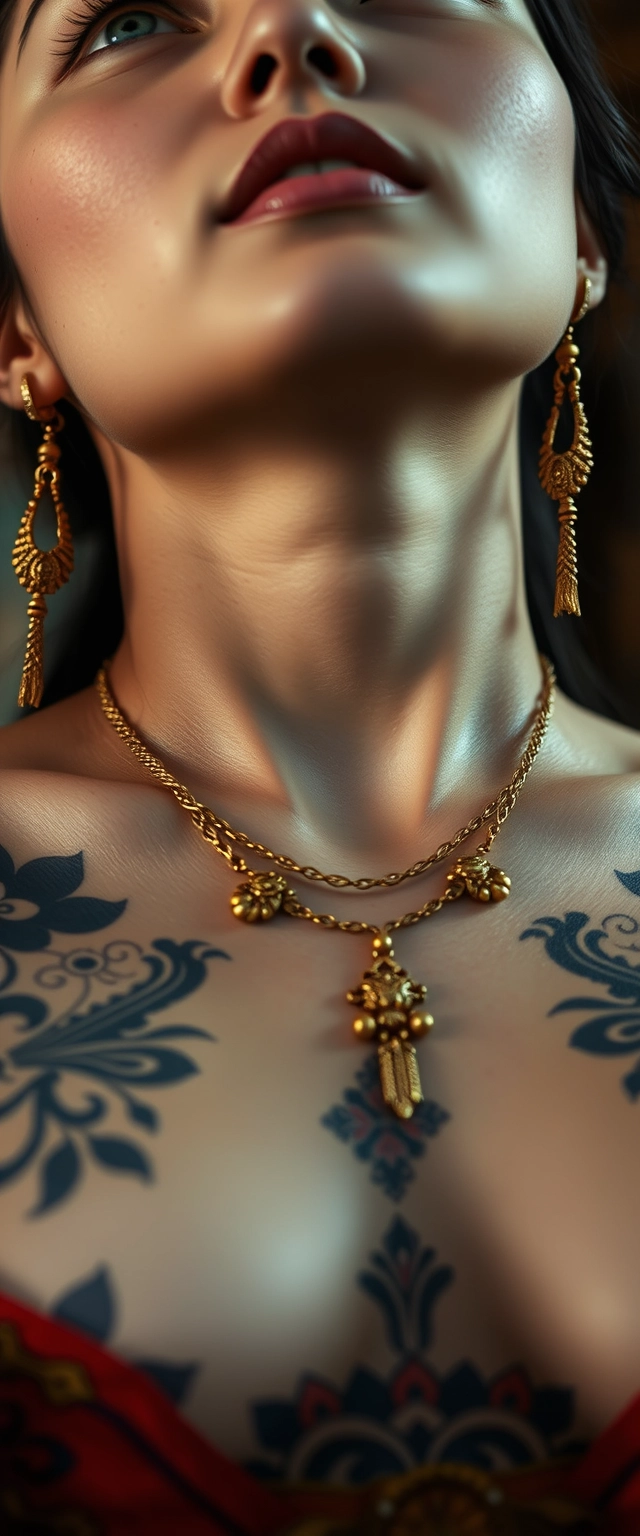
(392, 1017)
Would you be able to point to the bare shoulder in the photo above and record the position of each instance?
(69, 738)
(588, 743)
(585, 793)
(66, 785)
(64, 775)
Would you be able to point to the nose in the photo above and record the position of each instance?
(289, 45)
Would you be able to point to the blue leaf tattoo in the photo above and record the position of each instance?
(631, 882)
(60, 1174)
(120, 1156)
(89, 1306)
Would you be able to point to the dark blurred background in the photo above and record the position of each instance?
(609, 508)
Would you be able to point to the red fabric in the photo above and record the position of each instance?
(119, 1454)
(608, 1479)
(91, 1439)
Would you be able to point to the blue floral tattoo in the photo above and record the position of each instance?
(38, 899)
(614, 1026)
(391, 1147)
(96, 1038)
(380, 1425)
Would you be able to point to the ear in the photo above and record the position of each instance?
(592, 261)
(22, 351)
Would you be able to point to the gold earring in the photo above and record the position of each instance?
(41, 571)
(563, 475)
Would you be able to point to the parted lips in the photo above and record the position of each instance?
(295, 141)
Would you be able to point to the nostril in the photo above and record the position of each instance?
(323, 60)
(261, 73)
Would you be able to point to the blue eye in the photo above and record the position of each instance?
(128, 26)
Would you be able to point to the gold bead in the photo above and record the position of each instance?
(364, 1027)
(499, 884)
(420, 1023)
(383, 944)
(568, 353)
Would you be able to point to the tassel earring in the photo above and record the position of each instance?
(41, 571)
(563, 475)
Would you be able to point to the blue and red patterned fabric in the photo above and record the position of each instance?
(89, 1446)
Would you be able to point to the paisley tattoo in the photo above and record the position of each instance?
(76, 1043)
(608, 955)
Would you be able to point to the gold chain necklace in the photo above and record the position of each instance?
(391, 1011)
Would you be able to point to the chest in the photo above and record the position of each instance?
(198, 1166)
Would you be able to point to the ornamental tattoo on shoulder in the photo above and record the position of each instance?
(76, 1043)
(610, 956)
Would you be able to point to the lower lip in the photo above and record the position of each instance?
(325, 189)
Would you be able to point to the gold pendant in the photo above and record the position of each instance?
(259, 898)
(393, 1020)
(480, 879)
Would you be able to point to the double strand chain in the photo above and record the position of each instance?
(391, 1011)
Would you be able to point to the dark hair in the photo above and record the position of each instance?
(607, 172)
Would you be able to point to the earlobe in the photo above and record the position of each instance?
(592, 262)
(22, 352)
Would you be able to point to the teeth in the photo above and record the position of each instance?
(304, 169)
(337, 165)
(309, 168)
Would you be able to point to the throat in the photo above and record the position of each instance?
(331, 648)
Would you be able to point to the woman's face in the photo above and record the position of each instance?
(119, 145)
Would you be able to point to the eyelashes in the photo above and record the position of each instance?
(83, 22)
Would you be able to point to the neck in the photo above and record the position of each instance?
(326, 631)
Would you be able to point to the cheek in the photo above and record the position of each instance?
(101, 217)
(509, 154)
(526, 139)
(75, 204)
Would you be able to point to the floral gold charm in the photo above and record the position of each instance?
(393, 1017)
(259, 898)
(480, 879)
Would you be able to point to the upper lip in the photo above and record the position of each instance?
(333, 136)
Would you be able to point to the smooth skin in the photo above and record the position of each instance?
(309, 429)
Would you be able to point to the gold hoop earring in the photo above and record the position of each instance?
(563, 475)
(41, 571)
